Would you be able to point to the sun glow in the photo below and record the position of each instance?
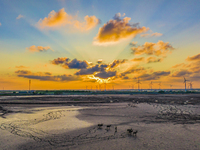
(99, 80)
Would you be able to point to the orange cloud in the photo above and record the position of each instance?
(0, 23)
(181, 73)
(61, 18)
(190, 70)
(153, 59)
(99, 61)
(155, 75)
(90, 22)
(118, 29)
(34, 48)
(21, 67)
(158, 49)
(56, 19)
(59, 60)
(116, 63)
(133, 70)
(194, 58)
(178, 65)
(138, 59)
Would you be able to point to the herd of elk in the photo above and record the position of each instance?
(128, 130)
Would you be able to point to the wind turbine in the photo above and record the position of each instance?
(159, 85)
(185, 81)
(113, 87)
(150, 84)
(132, 86)
(96, 87)
(138, 82)
(99, 86)
(105, 85)
(29, 85)
(190, 85)
(170, 86)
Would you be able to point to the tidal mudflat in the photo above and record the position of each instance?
(71, 122)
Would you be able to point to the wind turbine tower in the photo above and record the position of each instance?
(151, 85)
(138, 82)
(159, 85)
(99, 86)
(132, 86)
(96, 87)
(29, 85)
(185, 81)
(105, 85)
(190, 85)
(113, 87)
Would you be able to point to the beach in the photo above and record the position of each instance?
(71, 122)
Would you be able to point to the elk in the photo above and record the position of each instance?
(100, 125)
(134, 133)
(116, 129)
(108, 126)
(130, 130)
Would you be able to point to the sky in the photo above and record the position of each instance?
(98, 44)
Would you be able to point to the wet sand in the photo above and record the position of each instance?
(70, 122)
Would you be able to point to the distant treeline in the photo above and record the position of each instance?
(91, 92)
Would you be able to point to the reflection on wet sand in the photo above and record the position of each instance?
(37, 124)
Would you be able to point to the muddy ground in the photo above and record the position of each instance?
(71, 122)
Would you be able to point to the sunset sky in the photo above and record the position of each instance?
(71, 44)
